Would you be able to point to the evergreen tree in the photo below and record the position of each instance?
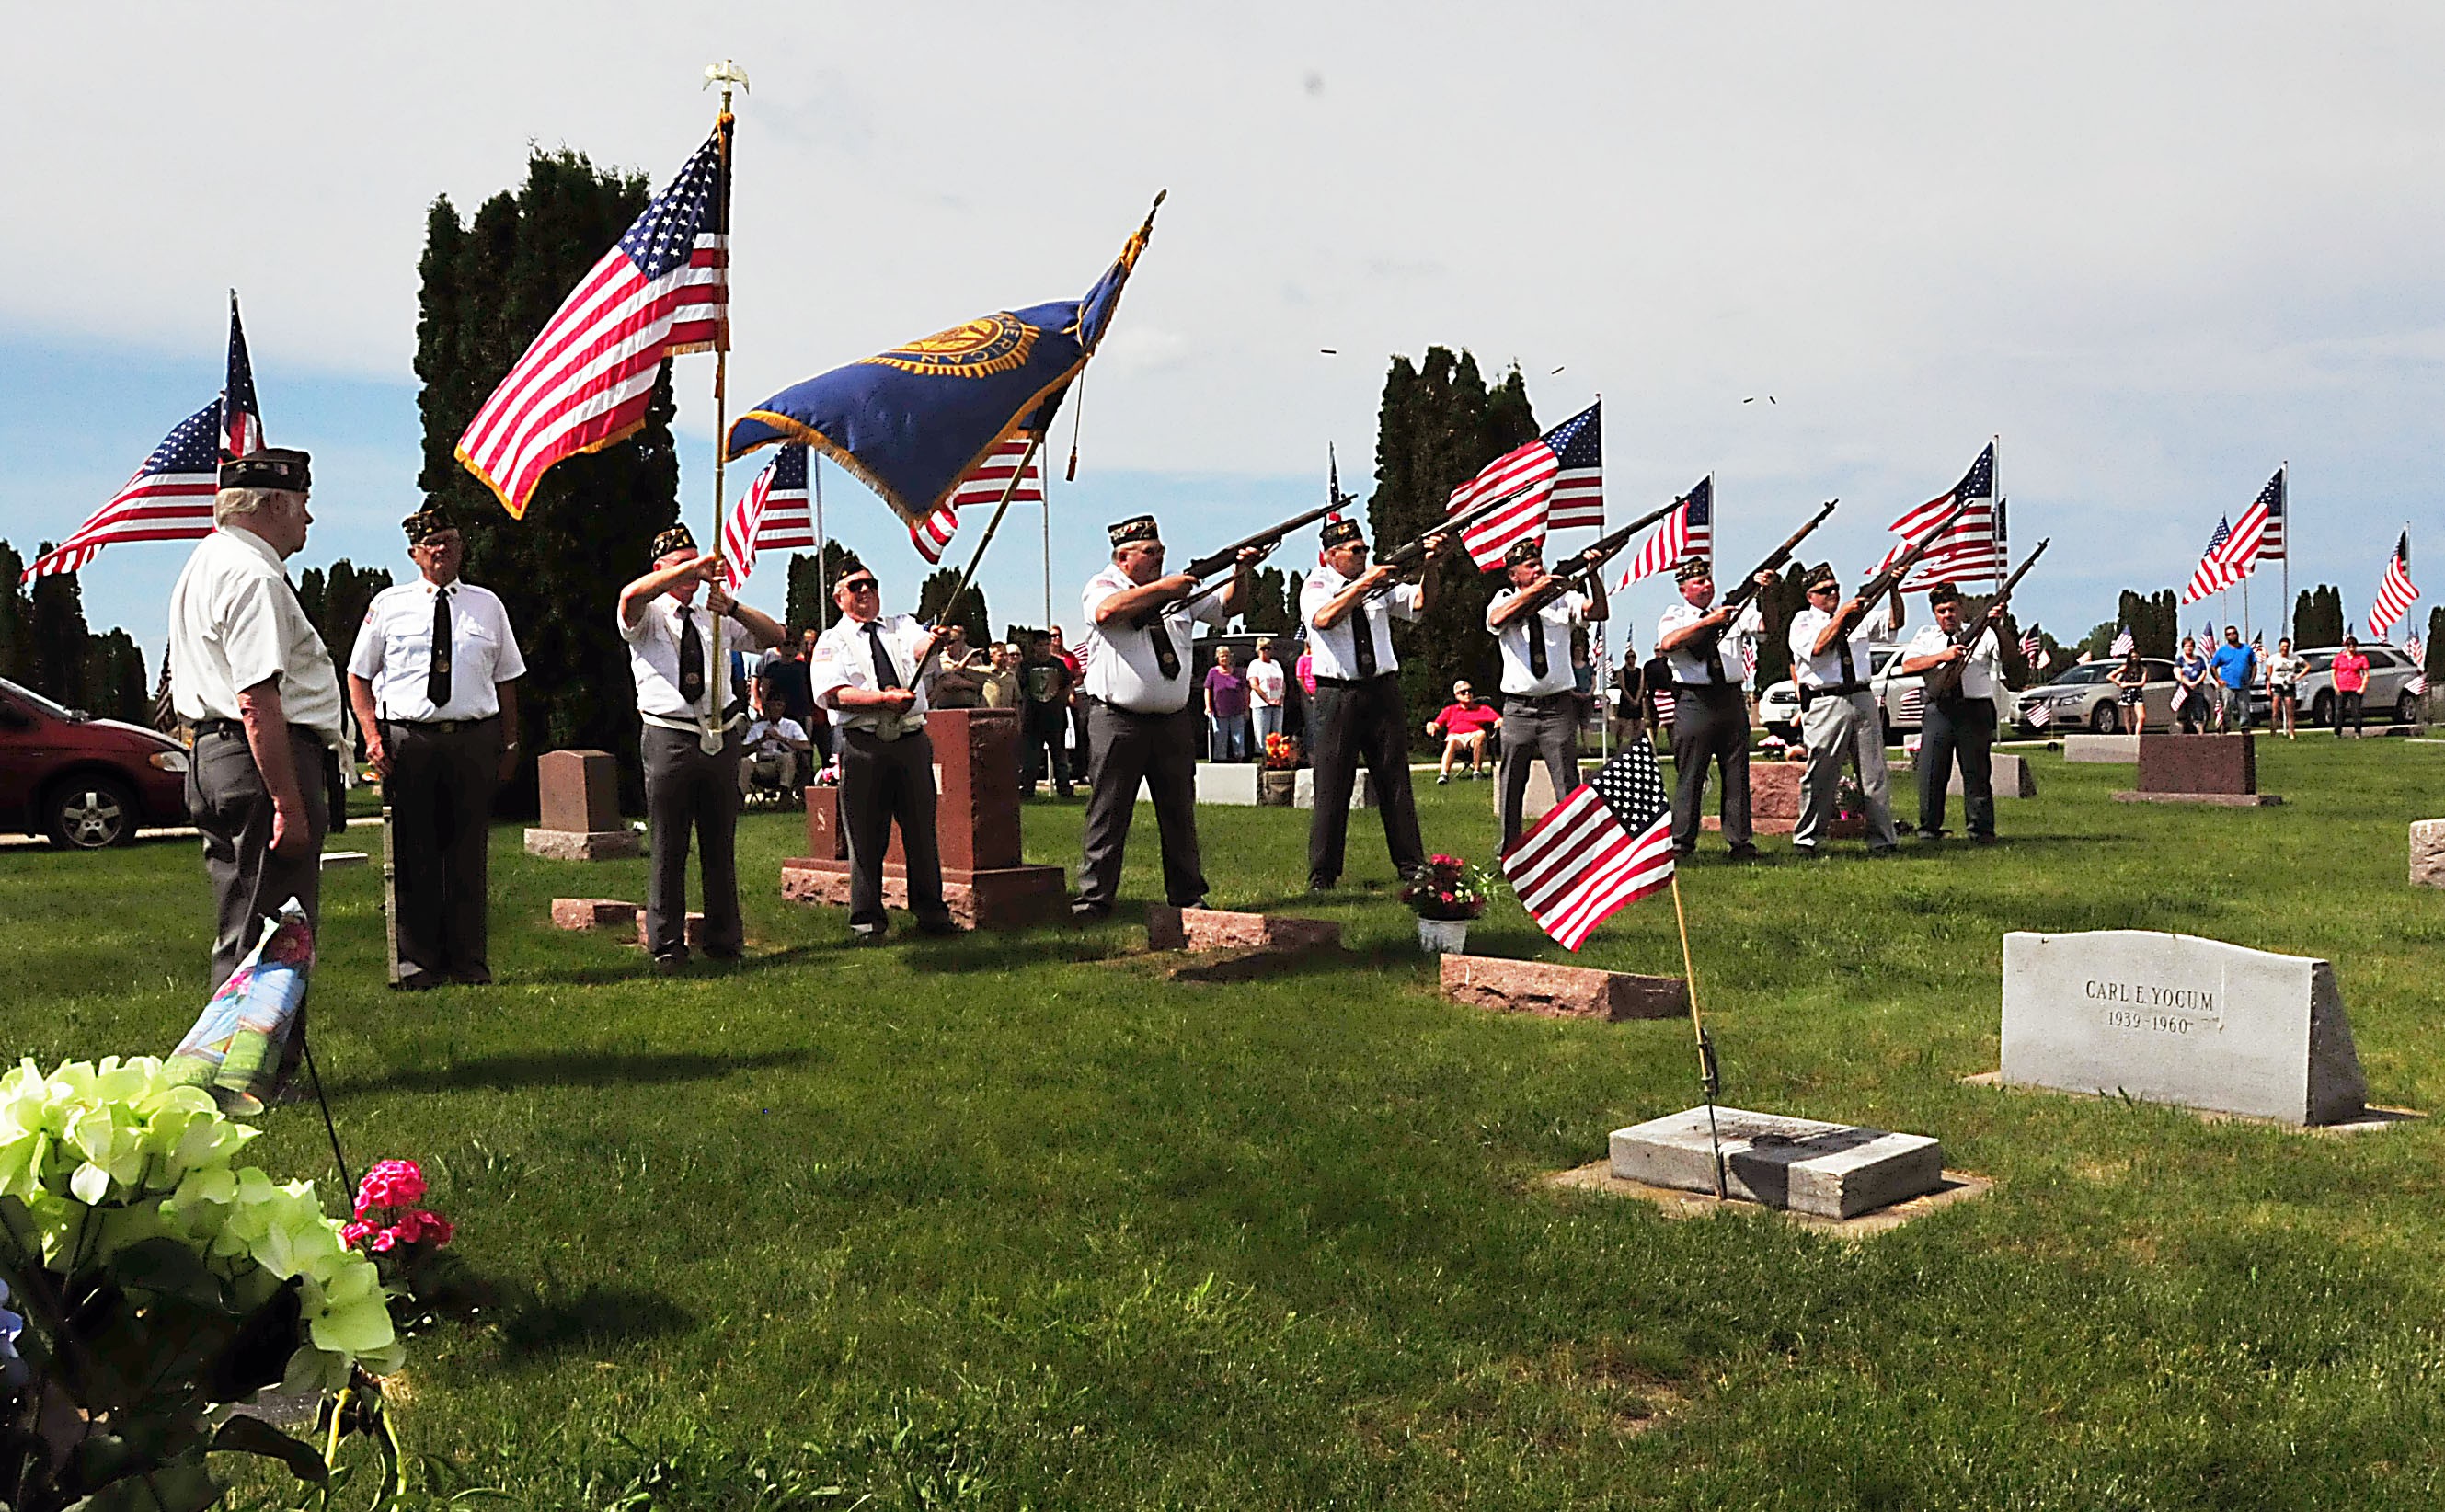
(59, 638)
(114, 678)
(16, 621)
(811, 603)
(1437, 425)
(336, 602)
(2099, 640)
(2318, 620)
(933, 596)
(1778, 604)
(1268, 611)
(488, 285)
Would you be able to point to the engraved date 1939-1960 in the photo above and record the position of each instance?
(2153, 1023)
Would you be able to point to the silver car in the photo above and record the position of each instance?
(1779, 703)
(2390, 675)
(2084, 698)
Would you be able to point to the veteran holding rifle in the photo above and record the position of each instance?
(1960, 662)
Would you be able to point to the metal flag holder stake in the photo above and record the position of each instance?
(1710, 1075)
(717, 729)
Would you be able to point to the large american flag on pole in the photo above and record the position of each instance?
(585, 380)
(2396, 594)
(1534, 474)
(1973, 548)
(2214, 574)
(2258, 536)
(1689, 530)
(170, 497)
(982, 485)
(771, 515)
(1608, 844)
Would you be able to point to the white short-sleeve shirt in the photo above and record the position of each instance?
(234, 621)
(1813, 671)
(1733, 646)
(394, 651)
(844, 658)
(1554, 623)
(654, 657)
(1335, 652)
(1978, 674)
(1265, 683)
(1121, 668)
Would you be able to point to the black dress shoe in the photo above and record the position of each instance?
(672, 964)
(1081, 911)
(1928, 837)
(419, 981)
(873, 935)
(1744, 851)
(945, 926)
(472, 979)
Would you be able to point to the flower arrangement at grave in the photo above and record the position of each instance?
(1447, 888)
(404, 1238)
(1282, 753)
(1850, 803)
(154, 1281)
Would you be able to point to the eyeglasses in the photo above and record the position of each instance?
(861, 585)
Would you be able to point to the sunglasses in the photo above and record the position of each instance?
(858, 584)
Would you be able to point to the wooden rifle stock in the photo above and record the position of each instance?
(1214, 562)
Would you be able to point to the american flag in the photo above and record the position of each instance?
(1662, 693)
(1973, 548)
(2418, 687)
(2214, 573)
(2030, 646)
(2247, 545)
(1689, 530)
(771, 515)
(1608, 843)
(2396, 594)
(984, 485)
(2124, 643)
(1534, 474)
(585, 380)
(170, 497)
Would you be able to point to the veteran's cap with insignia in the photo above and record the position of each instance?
(677, 539)
(1691, 569)
(1941, 594)
(279, 467)
(1824, 577)
(425, 524)
(1339, 531)
(850, 568)
(1133, 530)
(1526, 552)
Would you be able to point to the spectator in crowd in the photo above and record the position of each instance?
(958, 677)
(1000, 689)
(1227, 708)
(2132, 677)
(1267, 689)
(2235, 667)
(2284, 671)
(776, 759)
(781, 689)
(2191, 688)
(1630, 694)
(2351, 686)
(1463, 725)
(1044, 687)
(1078, 700)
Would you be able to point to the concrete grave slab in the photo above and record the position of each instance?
(342, 858)
(2427, 853)
(2106, 749)
(1596, 1176)
(587, 844)
(1561, 992)
(594, 913)
(1832, 1170)
(692, 931)
(1227, 782)
(2175, 1018)
(1170, 928)
(1362, 790)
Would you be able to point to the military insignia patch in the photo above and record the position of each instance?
(983, 347)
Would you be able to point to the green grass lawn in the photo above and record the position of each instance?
(999, 1223)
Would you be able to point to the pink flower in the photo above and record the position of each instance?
(422, 1226)
(356, 1232)
(390, 1183)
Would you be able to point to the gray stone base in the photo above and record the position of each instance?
(582, 845)
(2104, 748)
(342, 858)
(1597, 1177)
(1832, 1170)
(2427, 853)
(2221, 801)
(1362, 789)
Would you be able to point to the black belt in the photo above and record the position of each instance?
(1838, 690)
(442, 726)
(1359, 682)
(1690, 689)
(1134, 714)
(236, 729)
(1540, 700)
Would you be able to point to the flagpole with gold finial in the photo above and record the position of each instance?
(717, 729)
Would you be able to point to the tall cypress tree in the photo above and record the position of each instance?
(114, 678)
(811, 603)
(16, 620)
(59, 638)
(933, 596)
(488, 284)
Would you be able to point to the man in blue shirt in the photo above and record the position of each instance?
(2234, 665)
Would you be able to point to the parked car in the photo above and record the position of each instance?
(2084, 698)
(2390, 675)
(83, 782)
(1778, 704)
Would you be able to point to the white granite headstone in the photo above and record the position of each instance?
(2174, 1019)
(1832, 1170)
(1362, 789)
(1227, 782)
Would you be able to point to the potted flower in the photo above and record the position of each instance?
(1279, 781)
(1446, 894)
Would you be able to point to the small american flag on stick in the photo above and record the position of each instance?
(584, 383)
(1608, 844)
(984, 485)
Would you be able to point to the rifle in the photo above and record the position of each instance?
(1413, 551)
(1882, 584)
(1214, 562)
(1943, 681)
(1604, 549)
(1703, 644)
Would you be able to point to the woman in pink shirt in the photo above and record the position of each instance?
(2351, 685)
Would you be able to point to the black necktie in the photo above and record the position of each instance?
(1538, 661)
(1362, 641)
(436, 677)
(691, 657)
(886, 675)
(1850, 669)
(1166, 657)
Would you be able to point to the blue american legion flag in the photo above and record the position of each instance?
(587, 378)
(1608, 844)
(170, 497)
(1555, 482)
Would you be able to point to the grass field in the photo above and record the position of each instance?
(1003, 1222)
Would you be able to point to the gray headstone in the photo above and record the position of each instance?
(2174, 1019)
(2105, 748)
(1227, 782)
(1536, 802)
(1833, 1171)
(1362, 790)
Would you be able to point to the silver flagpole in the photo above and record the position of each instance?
(822, 593)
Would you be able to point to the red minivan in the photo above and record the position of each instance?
(83, 782)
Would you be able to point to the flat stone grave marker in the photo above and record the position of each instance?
(1829, 1170)
(1362, 790)
(2175, 1018)
(1170, 928)
(2427, 853)
(594, 913)
(1561, 992)
(2214, 768)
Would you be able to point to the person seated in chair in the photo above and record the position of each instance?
(1465, 724)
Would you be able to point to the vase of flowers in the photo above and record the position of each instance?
(1446, 894)
(1278, 780)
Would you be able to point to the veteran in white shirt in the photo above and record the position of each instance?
(1708, 649)
(1962, 665)
(252, 677)
(1838, 719)
(1540, 697)
(433, 683)
(685, 702)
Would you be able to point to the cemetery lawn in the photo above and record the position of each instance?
(1008, 1221)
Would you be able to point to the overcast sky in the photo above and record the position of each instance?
(2157, 249)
